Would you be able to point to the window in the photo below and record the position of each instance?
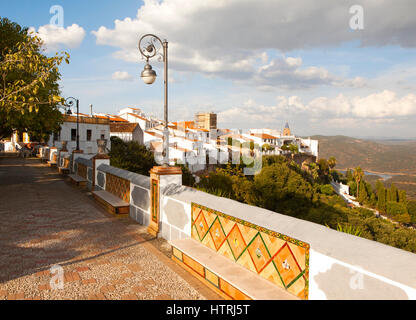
(56, 136)
(73, 134)
(89, 134)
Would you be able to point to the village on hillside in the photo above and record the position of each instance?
(198, 144)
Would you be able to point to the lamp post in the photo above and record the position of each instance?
(149, 46)
(69, 102)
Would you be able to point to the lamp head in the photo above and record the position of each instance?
(148, 74)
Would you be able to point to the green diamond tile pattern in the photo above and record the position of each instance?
(277, 264)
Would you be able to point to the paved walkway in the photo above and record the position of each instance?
(45, 221)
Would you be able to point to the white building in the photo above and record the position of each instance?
(127, 132)
(90, 130)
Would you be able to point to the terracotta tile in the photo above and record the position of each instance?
(118, 282)
(127, 275)
(109, 288)
(3, 293)
(17, 296)
(134, 267)
(88, 281)
(82, 269)
(44, 287)
(149, 282)
(139, 289)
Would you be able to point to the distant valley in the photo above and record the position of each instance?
(396, 158)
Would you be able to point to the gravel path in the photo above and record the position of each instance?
(44, 221)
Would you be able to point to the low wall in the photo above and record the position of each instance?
(83, 168)
(131, 187)
(324, 263)
(341, 266)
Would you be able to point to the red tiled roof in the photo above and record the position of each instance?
(263, 136)
(123, 127)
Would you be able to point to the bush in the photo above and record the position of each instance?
(131, 156)
(396, 208)
(326, 189)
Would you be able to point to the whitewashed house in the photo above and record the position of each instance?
(90, 130)
(127, 131)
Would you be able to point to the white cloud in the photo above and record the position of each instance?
(122, 76)
(230, 37)
(380, 107)
(55, 37)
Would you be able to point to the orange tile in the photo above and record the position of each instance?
(194, 265)
(232, 291)
(212, 277)
(177, 253)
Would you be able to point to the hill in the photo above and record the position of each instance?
(373, 156)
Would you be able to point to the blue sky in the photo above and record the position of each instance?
(300, 63)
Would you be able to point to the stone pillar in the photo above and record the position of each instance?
(75, 154)
(97, 160)
(160, 177)
(100, 158)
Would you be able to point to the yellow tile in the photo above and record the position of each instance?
(246, 261)
(227, 225)
(247, 233)
(207, 241)
(209, 217)
(298, 288)
(177, 253)
(270, 273)
(299, 253)
(226, 251)
(273, 244)
(212, 277)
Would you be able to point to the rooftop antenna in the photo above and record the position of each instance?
(92, 115)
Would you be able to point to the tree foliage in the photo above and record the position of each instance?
(28, 82)
(131, 156)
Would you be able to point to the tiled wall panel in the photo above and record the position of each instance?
(274, 256)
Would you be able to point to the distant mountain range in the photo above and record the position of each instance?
(377, 156)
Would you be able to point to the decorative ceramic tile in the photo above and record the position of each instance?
(194, 265)
(154, 196)
(274, 256)
(212, 277)
(118, 186)
(82, 171)
(217, 234)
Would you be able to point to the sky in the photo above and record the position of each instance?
(326, 67)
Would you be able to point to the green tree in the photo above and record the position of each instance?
(381, 195)
(393, 193)
(131, 156)
(396, 208)
(411, 208)
(332, 162)
(358, 175)
(362, 195)
(28, 81)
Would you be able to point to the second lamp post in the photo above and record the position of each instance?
(149, 46)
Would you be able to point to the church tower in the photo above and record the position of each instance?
(286, 130)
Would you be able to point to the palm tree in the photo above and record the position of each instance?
(332, 162)
(358, 175)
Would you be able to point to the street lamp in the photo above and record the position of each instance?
(69, 102)
(149, 46)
